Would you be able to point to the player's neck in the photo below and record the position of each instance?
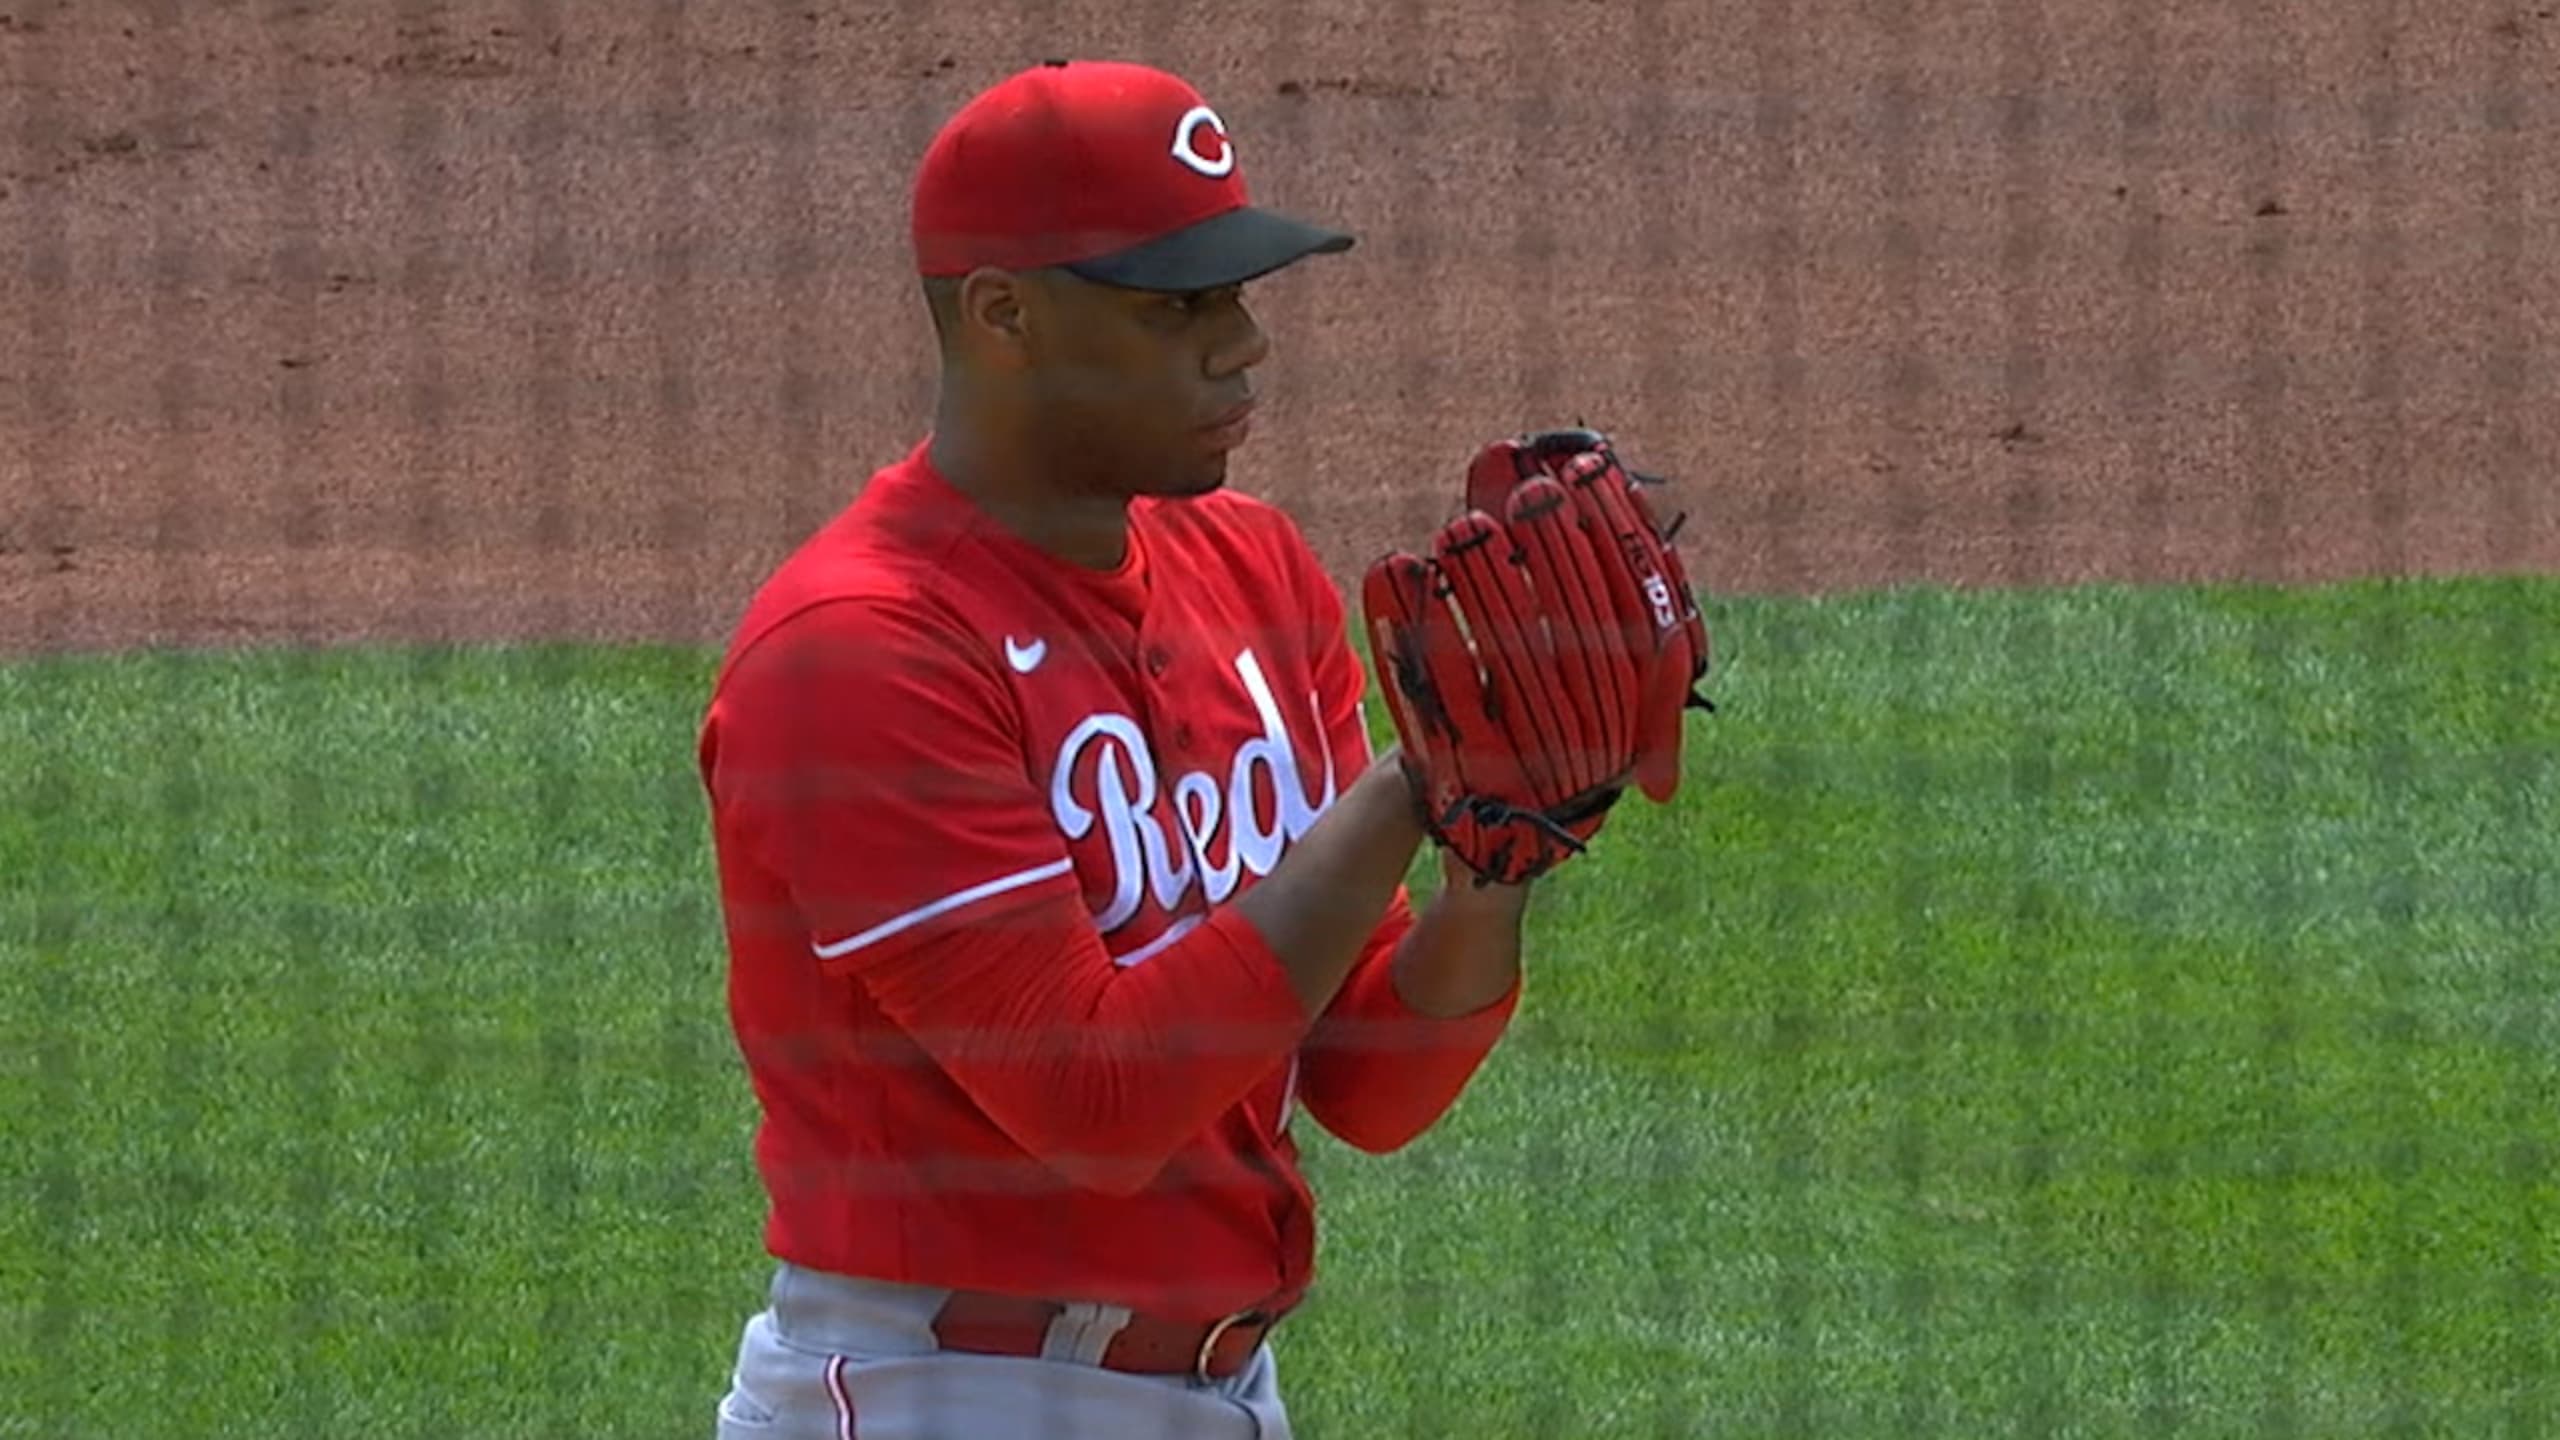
(1016, 487)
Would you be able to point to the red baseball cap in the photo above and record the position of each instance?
(1117, 172)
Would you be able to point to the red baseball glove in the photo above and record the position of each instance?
(1540, 659)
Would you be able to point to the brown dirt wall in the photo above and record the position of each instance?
(333, 321)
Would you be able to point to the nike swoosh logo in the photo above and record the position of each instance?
(1024, 658)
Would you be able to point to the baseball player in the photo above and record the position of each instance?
(1060, 882)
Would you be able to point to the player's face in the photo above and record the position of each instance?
(1148, 390)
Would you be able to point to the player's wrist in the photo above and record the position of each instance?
(1386, 789)
(1460, 885)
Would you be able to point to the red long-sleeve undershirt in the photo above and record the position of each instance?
(1104, 1072)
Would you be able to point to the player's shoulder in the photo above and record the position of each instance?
(875, 573)
(842, 628)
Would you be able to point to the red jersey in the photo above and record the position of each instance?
(977, 815)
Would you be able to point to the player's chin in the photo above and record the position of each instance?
(1205, 476)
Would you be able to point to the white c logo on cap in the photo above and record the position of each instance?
(1189, 126)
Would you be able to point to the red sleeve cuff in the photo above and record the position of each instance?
(1378, 1073)
(1371, 1001)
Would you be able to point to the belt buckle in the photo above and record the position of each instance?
(1208, 1343)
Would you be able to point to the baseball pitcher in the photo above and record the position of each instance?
(1059, 879)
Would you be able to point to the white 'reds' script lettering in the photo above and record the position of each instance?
(1145, 862)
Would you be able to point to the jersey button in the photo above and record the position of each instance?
(1182, 737)
(1157, 660)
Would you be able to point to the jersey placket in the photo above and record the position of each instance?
(1163, 674)
(1171, 735)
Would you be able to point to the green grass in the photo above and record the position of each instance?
(2102, 1012)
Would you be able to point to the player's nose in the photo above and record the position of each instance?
(1242, 347)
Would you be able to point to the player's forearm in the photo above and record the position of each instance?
(1415, 1023)
(1319, 907)
(1463, 952)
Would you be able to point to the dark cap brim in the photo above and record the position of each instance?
(1227, 249)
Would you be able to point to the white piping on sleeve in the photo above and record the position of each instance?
(835, 949)
(1161, 943)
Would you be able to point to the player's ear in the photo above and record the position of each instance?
(992, 312)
